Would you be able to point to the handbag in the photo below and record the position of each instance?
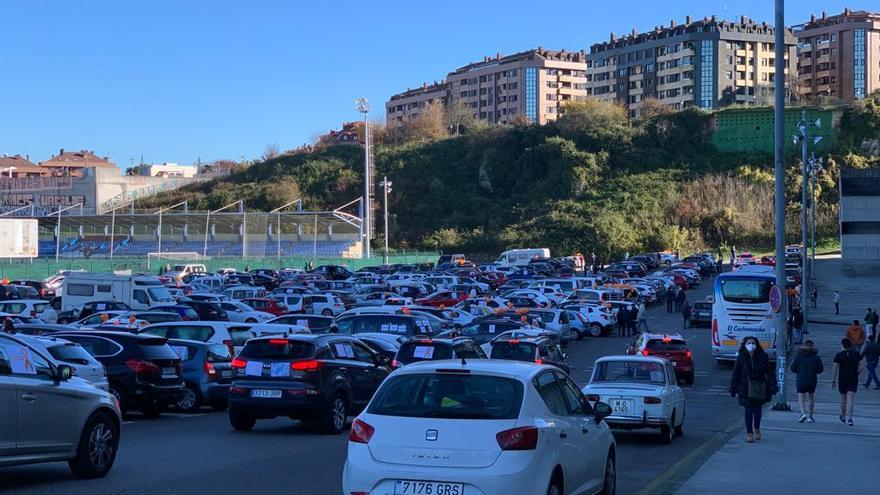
(757, 389)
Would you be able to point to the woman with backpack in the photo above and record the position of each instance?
(753, 383)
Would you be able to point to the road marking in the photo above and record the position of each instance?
(194, 415)
(128, 422)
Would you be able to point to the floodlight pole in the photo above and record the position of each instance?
(208, 224)
(113, 225)
(278, 233)
(363, 106)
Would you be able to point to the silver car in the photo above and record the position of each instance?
(54, 416)
(70, 353)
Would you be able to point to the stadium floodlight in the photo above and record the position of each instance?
(363, 106)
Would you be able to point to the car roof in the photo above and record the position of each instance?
(653, 335)
(106, 333)
(633, 358)
(524, 340)
(510, 369)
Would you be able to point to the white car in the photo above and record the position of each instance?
(532, 294)
(590, 319)
(642, 392)
(324, 304)
(481, 427)
(520, 333)
(240, 312)
(31, 308)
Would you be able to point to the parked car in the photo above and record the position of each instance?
(481, 427)
(72, 354)
(206, 310)
(540, 350)
(642, 392)
(215, 332)
(240, 312)
(383, 344)
(143, 371)
(423, 348)
(324, 304)
(184, 311)
(401, 325)
(320, 379)
(266, 305)
(701, 314)
(315, 323)
(147, 316)
(49, 415)
(31, 308)
(483, 330)
(670, 346)
(207, 374)
(90, 308)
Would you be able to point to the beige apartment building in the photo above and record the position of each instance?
(708, 63)
(534, 85)
(839, 55)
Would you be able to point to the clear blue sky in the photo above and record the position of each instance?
(179, 79)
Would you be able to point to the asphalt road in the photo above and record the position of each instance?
(201, 453)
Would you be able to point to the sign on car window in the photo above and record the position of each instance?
(20, 360)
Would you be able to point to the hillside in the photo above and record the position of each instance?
(591, 181)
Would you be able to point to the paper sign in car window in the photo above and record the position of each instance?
(20, 359)
(181, 351)
(303, 323)
(385, 328)
(253, 368)
(423, 352)
(279, 370)
(344, 351)
(491, 328)
(100, 306)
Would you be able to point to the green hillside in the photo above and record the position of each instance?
(591, 181)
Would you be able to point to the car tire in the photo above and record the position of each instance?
(241, 421)
(327, 312)
(118, 396)
(666, 433)
(579, 335)
(335, 416)
(190, 400)
(555, 487)
(98, 445)
(609, 481)
(679, 430)
(153, 410)
(596, 330)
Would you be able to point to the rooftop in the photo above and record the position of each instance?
(77, 158)
(540, 52)
(825, 20)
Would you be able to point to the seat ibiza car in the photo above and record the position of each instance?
(480, 427)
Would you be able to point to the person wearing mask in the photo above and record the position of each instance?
(753, 383)
(642, 318)
(871, 355)
(808, 366)
(847, 367)
(686, 314)
(856, 335)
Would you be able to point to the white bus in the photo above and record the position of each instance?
(521, 257)
(740, 309)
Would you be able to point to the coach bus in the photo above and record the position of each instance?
(740, 309)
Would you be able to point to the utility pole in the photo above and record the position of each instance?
(806, 270)
(779, 320)
(386, 188)
(363, 106)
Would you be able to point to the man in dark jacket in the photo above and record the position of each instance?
(680, 299)
(623, 317)
(871, 354)
(670, 298)
(808, 366)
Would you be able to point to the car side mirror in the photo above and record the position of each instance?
(383, 360)
(64, 372)
(601, 411)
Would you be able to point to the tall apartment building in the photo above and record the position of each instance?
(709, 63)
(839, 55)
(534, 84)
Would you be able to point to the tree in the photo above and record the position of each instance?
(281, 193)
(270, 152)
(652, 107)
(595, 125)
(459, 118)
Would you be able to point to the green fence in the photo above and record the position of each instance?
(41, 268)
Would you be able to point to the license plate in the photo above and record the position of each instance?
(266, 394)
(169, 372)
(674, 364)
(412, 487)
(225, 373)
(622, 406)
(729, 343)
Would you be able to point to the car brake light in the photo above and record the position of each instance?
(522, 438)
(209, 369)
(239, 363)
(395, 363)
(593, 398)
(278, 341)
(360, 432)
(141, 366)
(307, 365)
(688, 354)
(715, 341)
(539, 361)
(646, 352)
(652, 400)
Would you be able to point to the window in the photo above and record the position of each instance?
(23, 361)
(141, 297)
(746, 291)
(707, 74)
(551, 393)
(577, 406)
(859, 88)
(531, 94)
(362, 354)
(80, 290)
(552, 97)
(448, 396)
(105, 288)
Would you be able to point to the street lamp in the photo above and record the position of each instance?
(363, 106)
(815, 168)
(803, 137)
(386, 188)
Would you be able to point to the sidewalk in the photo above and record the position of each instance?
(821, 458)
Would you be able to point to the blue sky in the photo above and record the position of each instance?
(177, 80)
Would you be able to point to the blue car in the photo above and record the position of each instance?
(207, 374)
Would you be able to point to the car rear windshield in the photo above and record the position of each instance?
(517, 351)
(667, 345)
(218, 353)
(413, 352)
(70, 354)
(240, 336)
(156, 349)
(277, 349)
(449, 396)
(629, 372)
(746, 290)
(702, 305)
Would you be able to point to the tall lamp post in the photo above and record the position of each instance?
(803, 137)
(815, 168)
(363, 106)
(386, 189)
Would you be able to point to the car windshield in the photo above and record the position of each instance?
(516, 351)
(156, 349)
(159, 294)
(449, 396)
(667, 345)
(746, 290)
(70, 354)
(277, 349)
(413, 352)
(629, 372)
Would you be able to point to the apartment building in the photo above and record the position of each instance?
(708, 63)
(839, 56)
(534, 85)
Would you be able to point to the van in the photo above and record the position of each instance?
(139, 292)
(521, 257)
(240, 292)
(178, 271)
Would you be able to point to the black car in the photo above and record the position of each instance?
(319, 379)
(144, 372)
(315, 323)
(401, 325)
(42, 288)
(483, 330)
(701, 314)
(334, 272)
(421, 348)
(207, 374)
(540, 350)
(383, 344)
(88, 309)
(206, 310)
(186, 313)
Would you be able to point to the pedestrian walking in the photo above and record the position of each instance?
(835, 297)
(814, 296)
(874, 321)
(686, 314)
(670, 299)
(856, 335)
(680, 299)
(808, 366)
(642, 319)
(871, 355)
(797, 325)
(753, 383)
(623, 316)
(868, 319)
(847, 367)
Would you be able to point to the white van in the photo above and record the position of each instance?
(139, 292)
(178, 271)
(521, 257)
(240, 292)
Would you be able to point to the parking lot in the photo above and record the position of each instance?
(200, 452)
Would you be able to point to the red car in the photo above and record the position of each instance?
(445, 298)
(768, 261)
(266, 305)
(670, 346)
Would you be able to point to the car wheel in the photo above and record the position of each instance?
(153, 410)
(336, 415)
(679, 430)
(579, 335)
(327, 312)
(241, 421)
(595, 330)
(666, 432)
(555, 487)
(97, 447)
(609, 481)
(190, 400)
(118, 396)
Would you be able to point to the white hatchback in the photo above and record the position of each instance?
(479, 428)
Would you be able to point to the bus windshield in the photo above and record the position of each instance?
(746, 290)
